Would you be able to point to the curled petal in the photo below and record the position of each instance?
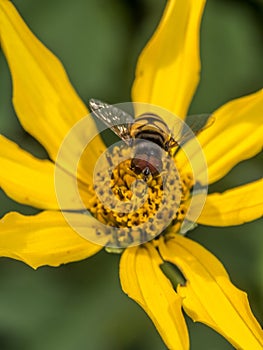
(209, 296)
(143, 281)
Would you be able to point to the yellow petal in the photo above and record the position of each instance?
(209, 296)
(168, 68)
(31, 181)
(234, 207)
(45, 102)
(26, 179)
(235, 135)
(43, 239)
(143, 281)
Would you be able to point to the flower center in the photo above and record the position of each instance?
(140, 207)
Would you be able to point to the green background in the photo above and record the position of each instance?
(81, 305)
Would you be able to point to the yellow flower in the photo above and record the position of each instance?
(167, 75)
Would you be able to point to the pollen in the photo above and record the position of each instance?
(134, 208)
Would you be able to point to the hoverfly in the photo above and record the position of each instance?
(138, 132)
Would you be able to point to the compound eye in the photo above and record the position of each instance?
(146, 171)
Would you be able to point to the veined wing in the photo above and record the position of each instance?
(199, 122)
(115, 118)
(195, 124)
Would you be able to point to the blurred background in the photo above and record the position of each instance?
(81, 305)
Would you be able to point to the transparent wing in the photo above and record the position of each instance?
(197, 123)
(116, 119)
